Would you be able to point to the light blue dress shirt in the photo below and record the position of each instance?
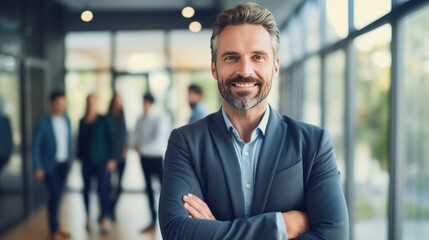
(248, 155)
(198, 112)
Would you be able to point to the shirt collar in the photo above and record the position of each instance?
(262, 125)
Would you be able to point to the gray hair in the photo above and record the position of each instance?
(245, 13)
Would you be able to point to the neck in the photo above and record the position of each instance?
(57, 114)
(245, 121)
(90, 116)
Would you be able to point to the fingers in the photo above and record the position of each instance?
(296, 223)
(197, 208)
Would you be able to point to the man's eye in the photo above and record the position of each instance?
(258, 58)
(231, 58)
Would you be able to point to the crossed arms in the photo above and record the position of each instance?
(184, 216)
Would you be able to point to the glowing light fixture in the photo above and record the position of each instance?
(188, 12)
(195, 26)
(87, 16)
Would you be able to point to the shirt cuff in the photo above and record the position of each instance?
(281, 233)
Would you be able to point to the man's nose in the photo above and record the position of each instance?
(245, 68)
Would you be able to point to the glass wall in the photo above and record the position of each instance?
(371, 175)
(367, 47)
(366, 11)
(335, 97)
(312, 108)
(140, 51)
(416, 128)
(11, 163)
(336, 20)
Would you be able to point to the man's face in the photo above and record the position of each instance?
(245, 66)
(147, 105)
(59, 105)
(193, 98)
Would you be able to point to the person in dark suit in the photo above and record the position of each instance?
(116, 113)
(97, 150)
(248, 172)
(6, 142)
(52, 156)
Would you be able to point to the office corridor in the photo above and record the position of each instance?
(132, 213)
(132, 216)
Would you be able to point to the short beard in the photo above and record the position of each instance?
(241, 102)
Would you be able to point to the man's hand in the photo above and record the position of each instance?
(40, 174)
(296, 223)
(111, 165)
(197, 208)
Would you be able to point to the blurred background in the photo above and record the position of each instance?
(359, 68)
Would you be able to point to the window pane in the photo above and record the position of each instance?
(335, 105)
(79, 85)
(296, 46)
(416, 117)
(367, 11)
(311, 19)
(336, 19)
(159, 83)
(371, 174)
(131, 89)
(140, 51)
(88, 50)
(312, 106)
(190, 50)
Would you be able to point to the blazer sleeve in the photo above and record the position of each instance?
(326, 206)
(179, 179)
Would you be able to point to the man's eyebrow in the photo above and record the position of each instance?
(229, 53)
(260, 52)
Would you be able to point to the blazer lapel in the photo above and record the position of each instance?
(229, 161)
(267, 162)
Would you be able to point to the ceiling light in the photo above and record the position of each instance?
(195, 26)
(87, 16)
(188, 12)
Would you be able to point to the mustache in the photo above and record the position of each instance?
(240, 79)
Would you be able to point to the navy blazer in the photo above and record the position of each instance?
(296, 171)
(45, 145)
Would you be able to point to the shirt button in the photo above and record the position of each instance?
(248, 185)
(246, 154)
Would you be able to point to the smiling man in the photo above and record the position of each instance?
(247, 172)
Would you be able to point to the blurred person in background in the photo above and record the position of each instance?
(195, 95)
(97, 151)
(116, 113)
(52, 156)
(6, 142)
(151, 135)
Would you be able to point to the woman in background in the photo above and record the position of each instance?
(96, 150)
(116, 113)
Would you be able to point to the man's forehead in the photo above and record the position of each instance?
(247, 37)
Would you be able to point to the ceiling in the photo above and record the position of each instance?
(280, 8)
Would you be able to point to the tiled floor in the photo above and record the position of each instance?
(132, 216)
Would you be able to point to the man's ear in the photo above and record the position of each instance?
(213, 69)
(276, 68)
